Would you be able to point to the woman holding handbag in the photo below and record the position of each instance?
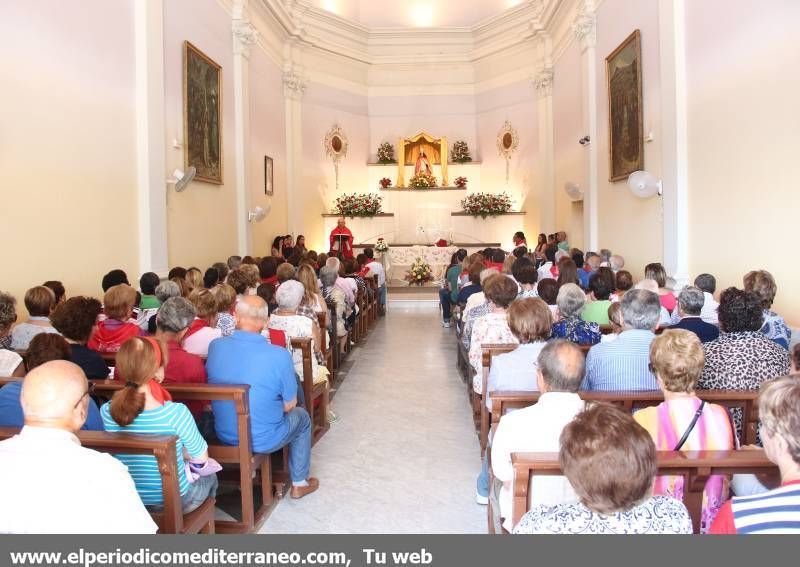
(683, 422)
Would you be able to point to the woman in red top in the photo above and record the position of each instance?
(116, 328)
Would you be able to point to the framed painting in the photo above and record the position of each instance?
(625, 113)
(202, 116)
(268, 178)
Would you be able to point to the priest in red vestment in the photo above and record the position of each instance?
(343, 234)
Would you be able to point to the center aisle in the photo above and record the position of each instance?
(403, 455)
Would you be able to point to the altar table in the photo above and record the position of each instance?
(398, 261)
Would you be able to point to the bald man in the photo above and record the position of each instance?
(48, 482)
(245, 357)
(341, 235)
(538, 428)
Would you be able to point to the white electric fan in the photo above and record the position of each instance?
(573, 191)
(181, 179)
(644, 185)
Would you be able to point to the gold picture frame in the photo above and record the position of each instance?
(625, 110)
(202, 115)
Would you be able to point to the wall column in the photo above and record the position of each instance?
(543, 81)
(244, 35)
(150, 141)
(674, 166)
(585, 31)
(294, 86)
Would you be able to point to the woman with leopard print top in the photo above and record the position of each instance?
(742, 358)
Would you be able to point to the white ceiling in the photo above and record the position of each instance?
(417, 13)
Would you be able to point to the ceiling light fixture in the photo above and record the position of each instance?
(331, 6)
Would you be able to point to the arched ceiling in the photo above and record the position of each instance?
(417, 13)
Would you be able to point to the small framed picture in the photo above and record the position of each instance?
(268, 186)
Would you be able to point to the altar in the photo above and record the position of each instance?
(398, 261)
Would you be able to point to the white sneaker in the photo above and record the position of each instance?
(482, 500)
(446, 324)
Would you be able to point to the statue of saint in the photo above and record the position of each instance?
(423, 165)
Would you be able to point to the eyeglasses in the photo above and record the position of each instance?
(89, 392)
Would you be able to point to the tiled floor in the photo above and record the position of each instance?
(402, 456)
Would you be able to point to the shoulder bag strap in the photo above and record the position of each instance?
(689, 429)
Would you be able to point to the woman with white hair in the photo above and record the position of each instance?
(334, 296)
(285, 318)
(571, 301)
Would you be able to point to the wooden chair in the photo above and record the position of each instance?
(240, 455)
(629, 401)
(483, 414)
(317, 396)
(170, 520)
(694, 466)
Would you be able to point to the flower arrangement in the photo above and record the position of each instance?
(420, 273)
(486, 204)
(386, 153)
(385, 183)
(461, 182)
(423, 181)
(381, 246)
(358, 205)
(460, 152)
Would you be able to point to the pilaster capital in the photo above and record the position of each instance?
(543, 81)
(244, 35)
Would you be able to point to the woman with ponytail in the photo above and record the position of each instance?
(144, 407)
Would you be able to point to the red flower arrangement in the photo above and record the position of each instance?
(486, 205)
(385, 183)
(358, 205)
(461, 182)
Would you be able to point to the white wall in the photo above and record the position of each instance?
(571, 159)
(743, 127)
(620, 214)
(322, 108)
(267, 138)
(67, 144)
(517, 104)
(207, 26)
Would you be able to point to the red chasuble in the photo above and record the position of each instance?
(347, 244)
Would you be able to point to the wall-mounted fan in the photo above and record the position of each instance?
(644, 185)
(181, 179)
(258, 214)
(573, 191)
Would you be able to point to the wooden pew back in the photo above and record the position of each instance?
(171, 520)
(694, 466)
(629, 401)
(313, 392)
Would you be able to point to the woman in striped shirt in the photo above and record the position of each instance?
(144, 407)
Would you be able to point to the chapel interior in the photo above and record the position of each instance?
(276, 109)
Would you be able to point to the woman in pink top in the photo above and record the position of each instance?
(683, 421)
(204, 328)
(657, 272)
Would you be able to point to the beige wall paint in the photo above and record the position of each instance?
(201, 221)
(68, 144)
(267, 138)
(628, 225)
(743, 127)
(571, 159)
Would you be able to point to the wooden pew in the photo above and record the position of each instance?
(326, 346)
(482, 413)
(313, 392)
(241, 455)
(743, 399)
(694, 466)
(171, 520)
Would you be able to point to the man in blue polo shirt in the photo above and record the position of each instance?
(245, 357)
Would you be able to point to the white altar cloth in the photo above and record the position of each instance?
(402, 257)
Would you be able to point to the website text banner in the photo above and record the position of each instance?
(388, 551)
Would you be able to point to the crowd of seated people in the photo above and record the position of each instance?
(212, 327)
(643, 335)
